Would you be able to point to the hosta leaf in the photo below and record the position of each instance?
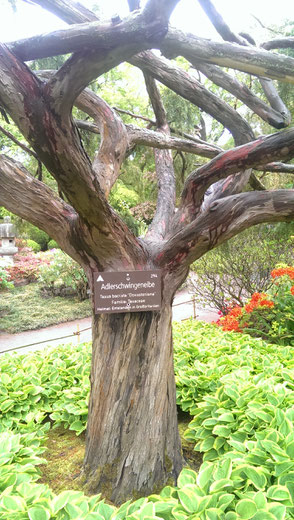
(204, 476)
(222, 431)
(278, 510)
(219, 485)
(13, 503)
(190, 498)
(246, 509)
(279, 493)
(256, 476)
(38, 513)
(187, 476)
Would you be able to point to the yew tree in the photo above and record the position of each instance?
(132, 440)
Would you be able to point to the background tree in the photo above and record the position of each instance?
(132, 437)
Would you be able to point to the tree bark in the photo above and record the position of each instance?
(132, 410)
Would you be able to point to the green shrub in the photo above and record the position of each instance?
(33, 245)
(53, 245)
(63, 275)
(232, 272)
(5, 279)
(39, 236)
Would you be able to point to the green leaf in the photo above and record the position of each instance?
(221, 484)
(278, 510)
(38, 513)
(204, 476)
(189, 497)
(256, 476)
(246, 509)
(60, 501)
(13, 503)
(187, 476)
(279, 493)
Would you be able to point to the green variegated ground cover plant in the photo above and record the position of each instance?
(240, 392)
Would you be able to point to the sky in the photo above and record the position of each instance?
(188, 16)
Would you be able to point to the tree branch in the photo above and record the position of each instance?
(164, 167)
(277, 167)
(243, 93)
(114, 138)
(67, 10)
(227, 35)
(36, 203)
(279, 43)
(246, 59)
(16, 141)
(189, 88)
(225, 219)
(275, 146)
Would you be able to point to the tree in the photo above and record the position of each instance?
(133, 443)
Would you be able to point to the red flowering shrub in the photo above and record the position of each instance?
(270, 316)
(27, 266)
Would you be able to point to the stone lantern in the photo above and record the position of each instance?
(7, 239)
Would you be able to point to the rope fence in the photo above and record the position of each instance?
(79, 332)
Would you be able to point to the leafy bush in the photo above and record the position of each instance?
(63, 275)
(53, 245)
(33, 245)
(27, 265)
(228, 275)
(39, 236)
(267, 315)
(5, 279)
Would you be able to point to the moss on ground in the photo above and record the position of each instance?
(65, 454)
(25, 309)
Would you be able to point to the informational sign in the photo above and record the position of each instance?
(127, 291)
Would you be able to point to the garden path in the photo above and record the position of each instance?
(63, 332)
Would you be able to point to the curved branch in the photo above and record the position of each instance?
(243, 93)
(225, 219)
(227, 35)
(275, 146)
(189, 88)
(114, 138)
(34, 201)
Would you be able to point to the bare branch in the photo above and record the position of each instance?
(67, 10)
(36, 203)
(226, 218)
(188, 87)
(275, 146)
(114, 138)
(279, 43)
(217, 20)
(16, 141)
(164, 167)
(277, 167)
(227, 35)
(243, 93)
(246, 59)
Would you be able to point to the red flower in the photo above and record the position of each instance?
(281, 271)
(292, 290)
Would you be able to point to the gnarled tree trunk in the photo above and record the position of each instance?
(132, 409)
